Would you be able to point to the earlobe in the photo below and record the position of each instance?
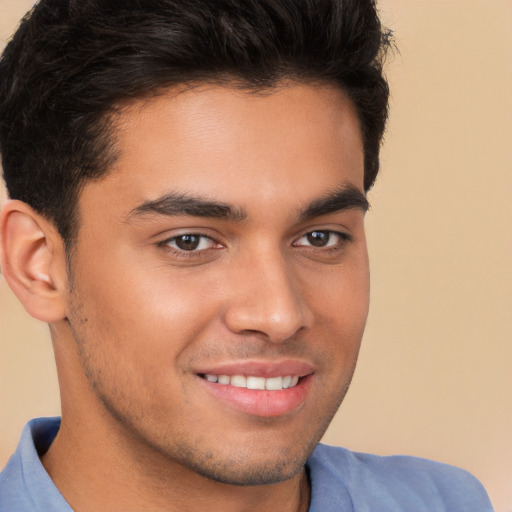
(33, 261)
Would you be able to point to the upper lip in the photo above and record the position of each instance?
(260, 368)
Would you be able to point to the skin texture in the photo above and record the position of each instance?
(136, 319)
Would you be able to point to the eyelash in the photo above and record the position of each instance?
(344, 238)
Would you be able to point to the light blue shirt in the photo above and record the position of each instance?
(341, 481)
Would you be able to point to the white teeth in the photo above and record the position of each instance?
(255, 382)
(252, 382)
(274, 383)
(238, 381)
(224, 379)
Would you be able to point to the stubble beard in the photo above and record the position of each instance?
(241, 468)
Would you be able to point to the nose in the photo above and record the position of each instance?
(267, 300)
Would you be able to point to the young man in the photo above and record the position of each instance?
(188, 188)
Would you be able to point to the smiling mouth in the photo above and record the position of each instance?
(254, 382)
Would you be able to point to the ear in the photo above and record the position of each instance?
(33, 261)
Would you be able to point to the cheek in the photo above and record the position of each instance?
(140, 323)
(136, 297)
(341, 301)
(341, 294)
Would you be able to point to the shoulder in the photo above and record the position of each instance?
(12, 497)
(25, 486)
(395, 483)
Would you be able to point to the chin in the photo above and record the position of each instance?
(247, 473)
(253, 464)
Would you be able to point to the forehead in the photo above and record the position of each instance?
(235, 145)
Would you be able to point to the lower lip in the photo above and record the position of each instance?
(261, 403)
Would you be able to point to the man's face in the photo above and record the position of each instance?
(225, 251)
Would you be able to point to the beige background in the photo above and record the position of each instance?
(435, 373)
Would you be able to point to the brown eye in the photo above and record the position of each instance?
(319, 238)
(322, 239)
(187, 242)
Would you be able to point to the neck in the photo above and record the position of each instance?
(95, 472)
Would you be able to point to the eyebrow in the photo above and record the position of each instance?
(346, 197)
(175, 204)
